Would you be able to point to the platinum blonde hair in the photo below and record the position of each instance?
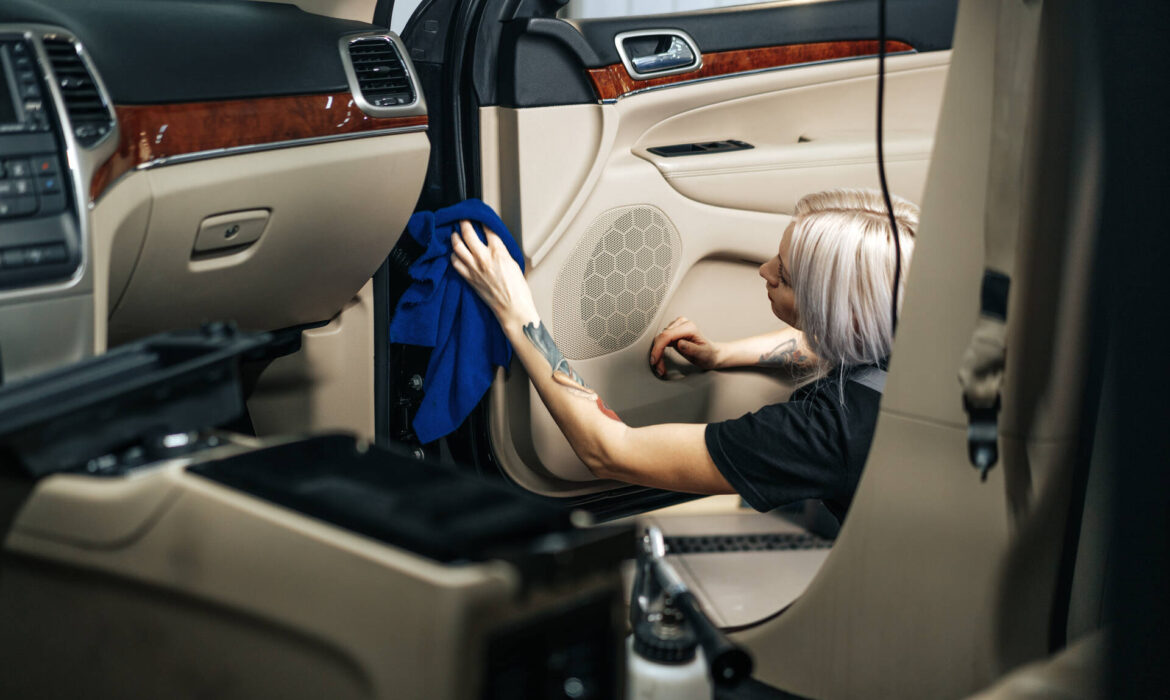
(841, 265)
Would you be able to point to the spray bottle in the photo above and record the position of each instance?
(673, 641)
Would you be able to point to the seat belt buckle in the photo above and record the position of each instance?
(982, 435)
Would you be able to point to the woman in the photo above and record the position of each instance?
(830, 281)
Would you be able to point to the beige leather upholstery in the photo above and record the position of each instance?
(168, 585)
(320, 246)
(938, 583)
(811, 127)
(328, 385)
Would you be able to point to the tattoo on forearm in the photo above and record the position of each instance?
(786, 353)
(562, 372)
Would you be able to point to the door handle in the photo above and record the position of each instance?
(652, 53)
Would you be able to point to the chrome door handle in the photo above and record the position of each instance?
(651, 53)
(677, 55)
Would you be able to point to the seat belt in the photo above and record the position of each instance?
(982, 366)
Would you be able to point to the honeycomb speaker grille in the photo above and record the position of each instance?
(611, 286)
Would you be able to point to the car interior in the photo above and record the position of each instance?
(234, 170)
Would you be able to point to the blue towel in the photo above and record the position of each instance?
(439, 310)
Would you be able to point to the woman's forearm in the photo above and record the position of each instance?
(671, 456)
(592, 429)
(785, 348)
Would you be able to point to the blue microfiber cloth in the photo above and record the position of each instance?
(439, 310)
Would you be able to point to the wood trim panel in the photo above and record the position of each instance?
(613, 81)
(150, 132)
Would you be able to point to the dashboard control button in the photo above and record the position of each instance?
(45, 165)
(16, 188)
(13, 257)
(49, 184)
(17, 206)
(34, 256)
(55, 253)
(52, 203)
(17, 168)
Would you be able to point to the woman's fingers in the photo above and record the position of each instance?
(459, 248)
(662, 341)
(471, 239)
(461, 267)
(495, 244)
(678, 328)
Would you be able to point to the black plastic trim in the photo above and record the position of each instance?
(382, 353)
(541, 64)
(536, 61)
(383, 13)
(752, 689)
(927, 25)
(151, 51)
(696, 149)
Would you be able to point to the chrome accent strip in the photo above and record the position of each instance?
(271, 146)
(417, 108)
(629, 64)
(756, 71)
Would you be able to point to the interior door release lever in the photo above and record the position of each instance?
(652, 53)
(676, 55)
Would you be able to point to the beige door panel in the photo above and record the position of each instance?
(555, 170)
(595, 206)
(773, 178)
(806, 138)
(541, 165)
(713, 244)
(357, 10)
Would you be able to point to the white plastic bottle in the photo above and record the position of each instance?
(664, 662)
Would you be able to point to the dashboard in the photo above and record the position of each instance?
(165, 163)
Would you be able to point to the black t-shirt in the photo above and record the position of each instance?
(812, 446)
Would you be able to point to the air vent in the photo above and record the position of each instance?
(381, 76)
(88, 112)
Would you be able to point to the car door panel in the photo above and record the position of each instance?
(620, 240)
(804, 139)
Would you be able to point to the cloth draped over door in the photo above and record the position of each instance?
(440, 310)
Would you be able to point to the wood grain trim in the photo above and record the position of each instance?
(613, 81)
(150, 132)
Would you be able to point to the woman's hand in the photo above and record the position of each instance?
(494, 276)
(684, 336)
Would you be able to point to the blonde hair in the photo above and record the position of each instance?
(841, 266)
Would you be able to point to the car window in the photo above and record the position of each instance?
(584, 9)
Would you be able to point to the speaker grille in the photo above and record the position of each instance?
(610, 288)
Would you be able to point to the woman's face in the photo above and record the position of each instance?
(779, 282)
